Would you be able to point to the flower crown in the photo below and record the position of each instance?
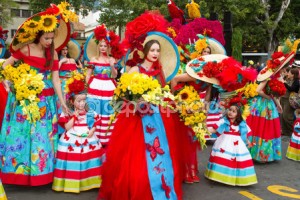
(101, 33)
(46, 21)
(241, 102)
(75, 85)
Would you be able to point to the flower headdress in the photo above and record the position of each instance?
(75, 85)
(146, 27)
(101, 33)
(53, 18)
(277, 62)
(240, 102)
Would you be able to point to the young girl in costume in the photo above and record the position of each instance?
(293, 150)
(78, 160)
(265, 136)
(100, 77)
(230, 161)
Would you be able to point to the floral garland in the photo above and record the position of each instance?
(27, 85)
(192, 112)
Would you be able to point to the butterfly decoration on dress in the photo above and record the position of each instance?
(150, 129)
(70, 148)
(236, 143)
(155, 148)
(92, 147)
(158, 169)
(165, 187)
(66, 137)
(222, 150)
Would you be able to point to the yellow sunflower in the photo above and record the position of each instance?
(32, 26)
(25, 37)
(49, 22)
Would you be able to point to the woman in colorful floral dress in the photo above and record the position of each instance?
(27, 147)
(265, 137)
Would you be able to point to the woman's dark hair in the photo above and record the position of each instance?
(208, 47)
(148, 45)
(239, 117)
(295, 73)
(49, 57)
(59, 53)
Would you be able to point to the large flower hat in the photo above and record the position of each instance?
(148, 26)
(275, 64)
(74, 49)
(56, 18)
(101, 33)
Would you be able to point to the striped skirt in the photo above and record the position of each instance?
(230, 162)
(100, 93)
(293, 151)
(78, 164)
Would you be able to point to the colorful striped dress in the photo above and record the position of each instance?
(230, 161)
(293, 151)
(100, 91)
(65, 73)
(2, 192)
(265, 136)
(79, 159)
(27, 150)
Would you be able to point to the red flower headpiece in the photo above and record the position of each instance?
(239, 101)
(111, 38)
(136, 32)
(75, 85)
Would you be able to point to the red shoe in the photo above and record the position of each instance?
(188, 179)
(195, 179)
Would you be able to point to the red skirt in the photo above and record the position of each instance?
(125, 174)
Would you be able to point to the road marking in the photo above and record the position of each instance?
(249, 195)
(278, 189)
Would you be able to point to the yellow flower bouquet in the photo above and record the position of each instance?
(27, 84)
(136, 87)
(191, 110)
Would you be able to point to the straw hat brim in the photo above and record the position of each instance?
(169, 55)
(263, 76)
(206, 58)
(61, 38)
(216, 47)
(74, 49)
(2, 49)
(90, 48)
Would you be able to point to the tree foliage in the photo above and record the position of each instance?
(82, 6)
(116, 13)
(5, 16)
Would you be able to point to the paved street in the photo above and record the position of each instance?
(276, 181)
